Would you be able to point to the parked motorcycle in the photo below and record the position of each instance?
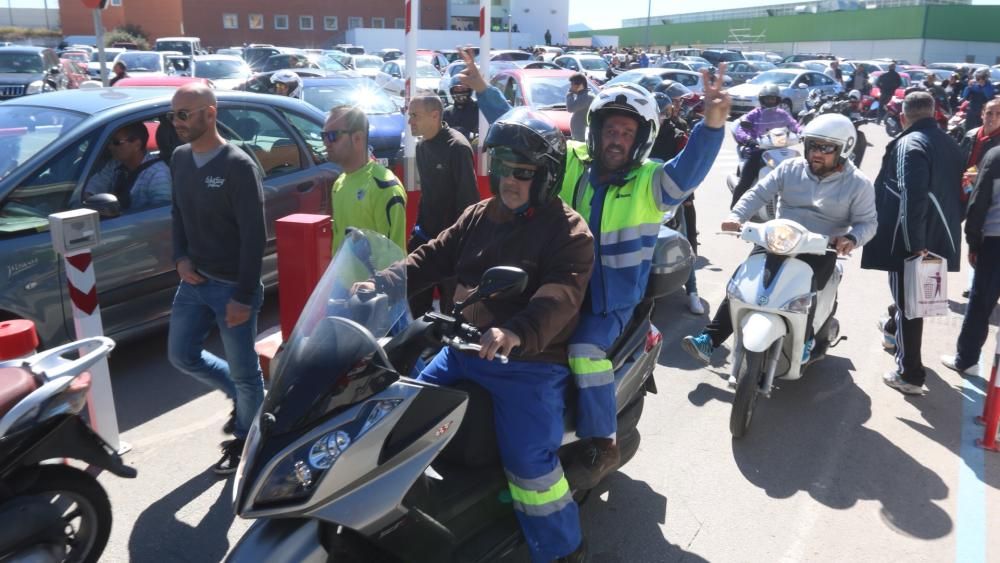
(52, 511)
(770, 296)
(956, 125)
(351, 460)
(894, 109)
(776, 143)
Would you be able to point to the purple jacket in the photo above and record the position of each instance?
(763, 120)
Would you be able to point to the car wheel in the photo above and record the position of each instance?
(787, 106)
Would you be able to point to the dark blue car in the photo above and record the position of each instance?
(52, 144)
(385, 121)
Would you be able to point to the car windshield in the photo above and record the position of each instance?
(424, 70)
(181, 46)
(762, 66)
(698, 66)
(333, 346)
(362, 93)
(454, 69)
(215, 69)
(20, 63)
(774, 77)
(677, 90)
(141, 62)
(367, 62)
(549, 91)
(593, 63)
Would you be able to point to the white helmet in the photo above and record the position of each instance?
(854, 95)
(832, 128)
(289, 79)
(625, 99)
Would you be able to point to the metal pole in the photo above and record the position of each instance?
(510, 24)
(409, 142)
(649, 14)
(101, 56)
(46, 5)
(10, 13)
(485, 22)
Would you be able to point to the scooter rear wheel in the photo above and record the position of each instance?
(747, 387)
(85, 507)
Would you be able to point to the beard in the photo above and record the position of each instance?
(821, 169)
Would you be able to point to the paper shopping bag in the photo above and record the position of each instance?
(925, 281)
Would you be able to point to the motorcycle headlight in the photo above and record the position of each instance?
(800, 304)
(782, 238)
(294, 476)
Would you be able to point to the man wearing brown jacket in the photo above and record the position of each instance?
(525, 225)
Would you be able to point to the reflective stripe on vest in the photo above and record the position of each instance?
(540, 496)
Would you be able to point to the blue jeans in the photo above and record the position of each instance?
(196, 310)
(982, 299)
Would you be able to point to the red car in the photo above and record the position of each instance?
(75, 73)
(542, 89)
(168, 81)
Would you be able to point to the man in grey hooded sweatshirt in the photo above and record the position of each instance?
(578, 101)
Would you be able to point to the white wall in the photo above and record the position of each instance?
(955, 51)
(913, 50)
(374, 39)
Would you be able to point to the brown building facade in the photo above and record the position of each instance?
(222, 23)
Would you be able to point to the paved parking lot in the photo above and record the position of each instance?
(836, 467)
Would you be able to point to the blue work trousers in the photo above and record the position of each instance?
(197, 309)
(528, 406)
(588, 359)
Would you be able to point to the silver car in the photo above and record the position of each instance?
(54, 143)
(795, 85)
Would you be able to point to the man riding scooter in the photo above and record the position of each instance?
(527, 156)
(623, 196)
(753, 126)
(825, 193)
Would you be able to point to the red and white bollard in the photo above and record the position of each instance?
(484, 68)
(74, 233)
(991, 411)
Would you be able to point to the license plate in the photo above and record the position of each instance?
(383, 161)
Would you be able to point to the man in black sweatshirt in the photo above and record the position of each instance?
(447, 187)
(218, 235)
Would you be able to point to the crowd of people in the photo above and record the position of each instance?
(597, 201)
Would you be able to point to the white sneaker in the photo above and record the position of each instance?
(694, 304)
(949, 362)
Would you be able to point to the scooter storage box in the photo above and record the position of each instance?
(672, 263)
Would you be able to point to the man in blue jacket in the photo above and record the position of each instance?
(917, 197)
(623, 195)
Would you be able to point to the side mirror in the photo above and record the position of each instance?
(802, 85)
(106, 205)
(497, 282)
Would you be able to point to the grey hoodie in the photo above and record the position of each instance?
(839, 204)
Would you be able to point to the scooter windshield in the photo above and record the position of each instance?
(333, 358)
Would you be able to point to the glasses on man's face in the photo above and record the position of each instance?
(183, 114)
(501, 170)
(823, 148)
(460, 97)
(332, 136)
(120, 142)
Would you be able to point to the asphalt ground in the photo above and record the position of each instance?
(836, 467)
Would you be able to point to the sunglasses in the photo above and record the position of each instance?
(183, 114)
(120, 142)
(823, 148)
(332, 136)
(501, 170)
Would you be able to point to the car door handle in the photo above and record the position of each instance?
(303, 188)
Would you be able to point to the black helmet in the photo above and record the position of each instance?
(526, 136)
(662, 100)
(455, 86)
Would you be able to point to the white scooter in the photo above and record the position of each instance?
(775, 144)
(769, 299)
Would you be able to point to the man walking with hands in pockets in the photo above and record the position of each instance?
(218, 234)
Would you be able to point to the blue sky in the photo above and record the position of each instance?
(594, 13)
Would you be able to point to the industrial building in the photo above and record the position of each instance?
(914, 30)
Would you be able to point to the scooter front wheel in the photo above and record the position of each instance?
(747, 389)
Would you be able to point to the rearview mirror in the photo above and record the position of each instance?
(497, 282)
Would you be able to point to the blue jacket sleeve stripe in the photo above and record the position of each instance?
(492, 104)
(686, 170)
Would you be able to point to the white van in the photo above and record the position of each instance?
(189, 46)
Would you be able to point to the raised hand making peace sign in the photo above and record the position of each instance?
(717, 100)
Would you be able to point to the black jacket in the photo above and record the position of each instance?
(969, 141)
(447, 180)
(917, 196)
(888, 83)
(464, 118)
(987, 184)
